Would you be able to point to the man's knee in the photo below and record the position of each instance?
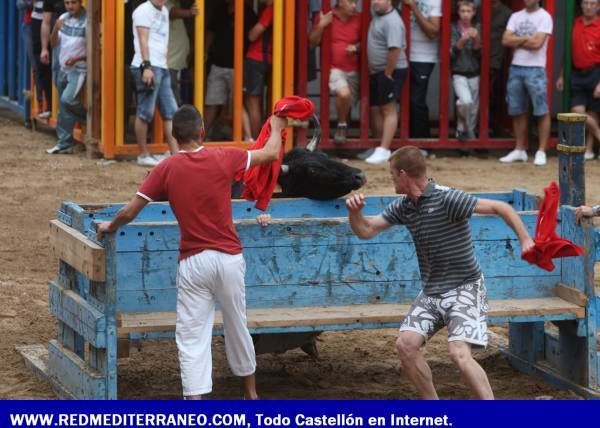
(408, 345)
(343, 93)
(460, 353)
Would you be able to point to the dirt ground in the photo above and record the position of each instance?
(358, 364)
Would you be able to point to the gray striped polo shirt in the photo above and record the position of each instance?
(439, 225)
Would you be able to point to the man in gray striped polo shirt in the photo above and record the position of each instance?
(453, 292)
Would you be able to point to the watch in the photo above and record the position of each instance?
(145, 64)
(596, 210)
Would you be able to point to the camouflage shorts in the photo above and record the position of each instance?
(463, 310)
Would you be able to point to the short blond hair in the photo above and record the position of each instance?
(409, 159)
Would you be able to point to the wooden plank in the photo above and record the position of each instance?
(81, 316)
(340, 315)
(571, 294)
(146, 299)
(74, 374)
(36, 360)
(77, 250)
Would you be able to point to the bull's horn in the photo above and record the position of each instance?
(316, 139)
(285, 169)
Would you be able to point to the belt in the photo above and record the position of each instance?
(586, 70)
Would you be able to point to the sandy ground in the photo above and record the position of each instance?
(360, 364)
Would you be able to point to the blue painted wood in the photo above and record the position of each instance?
(83, 216)
(108, 357)
(67, 369)
(333, 294)
(311, 232)
(12, 52)
(526, 340)
(4, 36)
(78, 314)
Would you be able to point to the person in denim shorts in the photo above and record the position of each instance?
(453, 293)
(527, 33)
(151, 76)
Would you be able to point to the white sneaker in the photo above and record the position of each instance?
(589, 156)
(540, 158)
(146, 159)
(380, 155)
(515, 156)
(44, 115)
(164, 156)
(424, 152)
(59, 150)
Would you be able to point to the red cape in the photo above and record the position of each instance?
(548, 245)
(260, 181)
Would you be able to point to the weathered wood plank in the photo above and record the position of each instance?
(352, 314)
(334, 293)
(571, 294)
(77, 250)
(278, 208)
(73, 374)
(164, 236)
(73, 310)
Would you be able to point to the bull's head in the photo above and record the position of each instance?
(312, 174)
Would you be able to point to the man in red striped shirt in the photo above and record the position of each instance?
(585, 78)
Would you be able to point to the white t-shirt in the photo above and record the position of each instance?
(72, 41)
(422, 48)
(523, 23)
(157, 21)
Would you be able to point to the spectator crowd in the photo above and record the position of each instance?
(162, 57)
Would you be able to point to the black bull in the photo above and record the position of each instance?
(314, 175)
(307, 174)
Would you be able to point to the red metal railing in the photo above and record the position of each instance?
(444, 139)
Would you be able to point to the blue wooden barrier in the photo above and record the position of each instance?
(14, 64)
(308, 272)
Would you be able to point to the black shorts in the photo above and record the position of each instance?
(383, 90)
(256, 74)
(583, 84)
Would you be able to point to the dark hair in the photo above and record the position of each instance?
(187, 124)
(409, 159)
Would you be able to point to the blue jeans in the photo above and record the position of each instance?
(523, 83)
(70, 109)
(159, 94)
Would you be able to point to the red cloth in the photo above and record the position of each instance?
(343, 34)
(548, 245)
(260, 180)
(586, 43)
(257, 49)
(198, 187)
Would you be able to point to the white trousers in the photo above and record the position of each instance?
(467, 104)
(200, 279)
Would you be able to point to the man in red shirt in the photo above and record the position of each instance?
(585, 78)
(345, 56)
(257, 65)
(197, 183)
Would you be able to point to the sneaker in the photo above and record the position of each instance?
(146, 159)
(340, 134)
(44, 115)
(540, 158)
(364, 155)
(589, 156)
(424, 152)
(470, 135)
(461, 136)
(161, 157)
(515, 156)
(380, 155)
(59, 150)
